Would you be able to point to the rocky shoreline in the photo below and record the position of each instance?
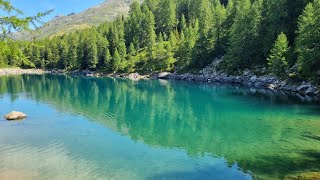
(303, 90)
(247, 79)
(18, 71)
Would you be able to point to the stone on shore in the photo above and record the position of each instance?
(163, 75)
(14, 115)
(18, 71)
(302, 87)
(134, 76)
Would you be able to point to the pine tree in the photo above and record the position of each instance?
(102, 45)
(202, 11)
(73, 56)
(275, 14)
(218, 31)
(188, 39)
(132, 50)
(152, 5)
(242, 52)
(130, 65)
(55, 54)
(169, 58)
(64, 50)
(182, 23)
(90, 52)
(117, 61)
(308, 41)
(134, 24)
(36, 56)
(107, 60)
(48, 58)
(92, 55)
(150, 35)
(277, 59)
(166, 16)
(173, 40)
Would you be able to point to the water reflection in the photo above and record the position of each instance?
(263, 133)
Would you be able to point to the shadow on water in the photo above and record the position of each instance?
(207, 173)
(285, 166)
(275, 96)
(312, 136)
(264, 132)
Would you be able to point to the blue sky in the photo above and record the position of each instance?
(31, 7)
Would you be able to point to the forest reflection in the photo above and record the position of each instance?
(264, 134)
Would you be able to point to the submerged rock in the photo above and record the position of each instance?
(14, 115)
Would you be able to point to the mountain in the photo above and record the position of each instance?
(93, 16)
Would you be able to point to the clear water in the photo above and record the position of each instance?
(103, 128)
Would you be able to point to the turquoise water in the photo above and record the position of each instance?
(103, 128)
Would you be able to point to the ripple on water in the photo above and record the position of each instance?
(33, 162)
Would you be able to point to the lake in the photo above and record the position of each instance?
(103, 128)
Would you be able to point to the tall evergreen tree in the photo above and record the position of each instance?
(117, 61)
(149, 35)
(166, 16)
(64, 51)
(242, 52)
(91, 52)
(277, 59)
(308, 41)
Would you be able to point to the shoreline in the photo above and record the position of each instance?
(18, 71)
(303, 90)
(250, 80)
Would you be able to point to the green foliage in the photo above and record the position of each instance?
(277, 59)
(243, 51)
(117, 61)
(308, 41)
(9, 21)
(185, 35)
(275, 14)
(166, 19)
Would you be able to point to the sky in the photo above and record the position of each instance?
(61, 7)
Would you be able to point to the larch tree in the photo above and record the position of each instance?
(277, 60)
(308, 41)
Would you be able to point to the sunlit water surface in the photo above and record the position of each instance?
(103, 128)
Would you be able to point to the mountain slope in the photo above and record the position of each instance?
(96, 15)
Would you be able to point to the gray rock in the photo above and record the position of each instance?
(310, 91)
(163, 75)
(283, 83)
(253, 78)
(302, 87)
(246, 72)
(272, 86)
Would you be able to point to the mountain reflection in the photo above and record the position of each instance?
(267, 136)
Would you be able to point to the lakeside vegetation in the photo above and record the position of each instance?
(186, 36)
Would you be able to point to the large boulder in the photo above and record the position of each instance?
(14, 115)
(163, 75)
(253, 78)
(310, 91)
(302, 88)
